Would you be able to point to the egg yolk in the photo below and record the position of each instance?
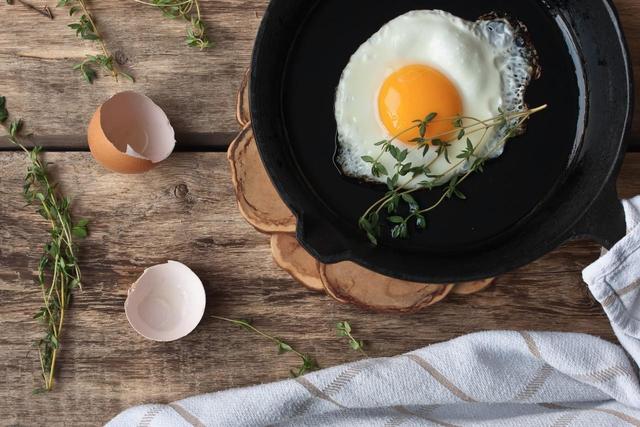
(413, 92)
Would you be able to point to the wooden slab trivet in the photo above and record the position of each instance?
(346, 282)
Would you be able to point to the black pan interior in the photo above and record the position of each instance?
(511, 187)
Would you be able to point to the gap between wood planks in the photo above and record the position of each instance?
(186, 142)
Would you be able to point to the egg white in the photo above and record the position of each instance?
(486, 61)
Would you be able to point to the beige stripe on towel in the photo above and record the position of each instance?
(437, 375)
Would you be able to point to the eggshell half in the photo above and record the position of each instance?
(129, 133)
(166, 303)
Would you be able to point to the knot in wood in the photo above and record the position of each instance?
(120, 57)
(181, 191)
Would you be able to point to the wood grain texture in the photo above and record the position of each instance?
(196, 89)
(185, 210)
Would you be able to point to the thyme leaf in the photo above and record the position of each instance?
(343, 329)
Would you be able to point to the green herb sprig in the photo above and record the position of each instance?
(343, 329)
(197, 31)
(87, 29)
(58, 271)
(400, 206)
(308, 362)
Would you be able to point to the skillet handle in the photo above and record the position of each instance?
(605, 221)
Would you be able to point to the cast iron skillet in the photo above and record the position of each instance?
(555, 183)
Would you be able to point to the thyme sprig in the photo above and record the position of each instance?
(87, 29)
(197, 31)
(399, 198)
(308, 362)
(343, 329)
(58, 270)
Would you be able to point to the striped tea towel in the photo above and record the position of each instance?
(484, 379)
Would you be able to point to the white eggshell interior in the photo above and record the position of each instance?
(136, 126)
(166, 303)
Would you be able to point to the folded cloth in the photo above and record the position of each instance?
(614, 280)
(489, 378)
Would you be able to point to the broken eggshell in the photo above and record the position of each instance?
(129, 133)
(166, 303)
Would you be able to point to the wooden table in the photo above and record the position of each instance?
(185, 210)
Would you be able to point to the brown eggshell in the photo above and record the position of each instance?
(129, 133)
(349, 283)
(296, 261)
(468, 288)
(258, 201)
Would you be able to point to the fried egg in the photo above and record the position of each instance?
(429, 61)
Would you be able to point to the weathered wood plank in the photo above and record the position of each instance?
(185, 210)
(197, 89)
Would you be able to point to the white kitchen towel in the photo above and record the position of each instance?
(483, 379)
